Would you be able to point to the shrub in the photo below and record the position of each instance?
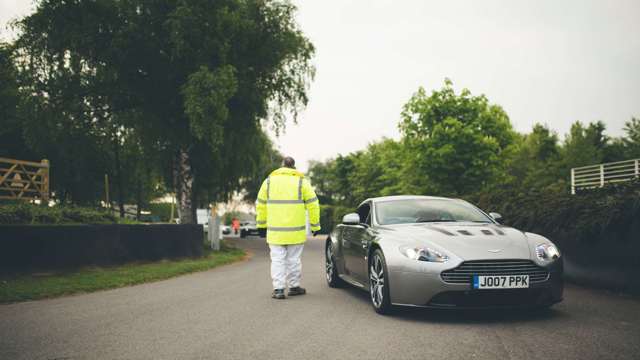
(25, 213)
(331, 215)
(609, 216)
(162, 210)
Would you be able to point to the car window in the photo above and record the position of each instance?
(427, 210)
(364, 212)
(368, 221)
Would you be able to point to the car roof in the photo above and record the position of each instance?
(406, 197)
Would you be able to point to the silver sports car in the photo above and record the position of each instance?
(441, 253)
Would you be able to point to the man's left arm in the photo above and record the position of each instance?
(261, 210)
(312, 205)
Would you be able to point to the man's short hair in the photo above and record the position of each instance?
(289, 162)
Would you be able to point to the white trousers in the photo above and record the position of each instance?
(286, 265)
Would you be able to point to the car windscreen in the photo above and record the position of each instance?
(427, 210)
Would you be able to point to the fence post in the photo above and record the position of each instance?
(45, 182)
(214, 229)
(601, 175)
(573, 181)
(637, 168)
(107, 202)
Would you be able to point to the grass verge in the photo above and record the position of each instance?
(35, 286)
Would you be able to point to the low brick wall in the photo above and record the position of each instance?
(67, 246)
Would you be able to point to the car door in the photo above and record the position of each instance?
(356, 242)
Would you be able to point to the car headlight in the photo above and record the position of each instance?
(424, 254)
(547, 252)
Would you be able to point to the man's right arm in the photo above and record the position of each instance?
(312, 205)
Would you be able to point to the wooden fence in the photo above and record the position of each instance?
(21, 179)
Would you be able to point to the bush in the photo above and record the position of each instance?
(608, 217)
(163, 211)
(25, 213)
(331, 215)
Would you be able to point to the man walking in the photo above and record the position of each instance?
(283, 200)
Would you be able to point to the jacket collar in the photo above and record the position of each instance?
(287, 171)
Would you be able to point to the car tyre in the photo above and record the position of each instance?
(331, 271)
(379, 283)
(243, 234)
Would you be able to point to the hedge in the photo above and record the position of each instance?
(331, 215)
(22, 213)
(613, 211)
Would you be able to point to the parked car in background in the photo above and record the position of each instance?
(441, 253)
(226, 229)
(248, 228)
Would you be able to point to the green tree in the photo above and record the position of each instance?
(454, 141)
(632, 140)
(378, 170)
(585, 145)
(344, 168)
(322, 177)
(51, 123)
(11, 134)
(268, 159)
(348, 180)
(192, 79)
(534, 159)
(334, 179)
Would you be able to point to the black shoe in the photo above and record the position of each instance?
(278, 294)
(297, 291)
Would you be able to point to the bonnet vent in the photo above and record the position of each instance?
(500, 232)
(442, 231)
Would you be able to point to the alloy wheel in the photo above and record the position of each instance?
(329, 264)
(376, 277)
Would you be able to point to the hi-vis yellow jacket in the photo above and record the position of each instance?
(283, 200)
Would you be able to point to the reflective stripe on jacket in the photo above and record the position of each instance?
(283, 200)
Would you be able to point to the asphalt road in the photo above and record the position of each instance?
(227, 313)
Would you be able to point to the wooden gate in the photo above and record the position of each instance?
(21, 179)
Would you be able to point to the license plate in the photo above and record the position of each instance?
(500, 281)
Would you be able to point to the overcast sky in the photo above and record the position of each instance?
(552, 62)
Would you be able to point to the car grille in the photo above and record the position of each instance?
(463, 273)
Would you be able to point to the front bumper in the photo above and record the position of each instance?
(429, 290)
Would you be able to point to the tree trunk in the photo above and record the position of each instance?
(184, 188)
(176, 189)
(194, 201)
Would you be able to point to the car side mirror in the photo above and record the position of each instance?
(495, 216)
(351, 219)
